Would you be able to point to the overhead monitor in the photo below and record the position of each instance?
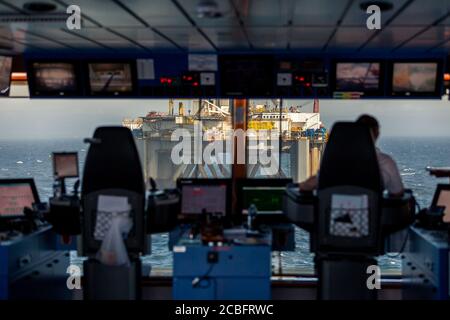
(54, 79)
(362, 77)
(111, 79)
(442, 199)
(65, 164)
(5, 75)
(267, 200)
(415, 78)
(247, 75)
(15, 195)
(199, 195)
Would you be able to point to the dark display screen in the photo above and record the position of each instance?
(247, 75)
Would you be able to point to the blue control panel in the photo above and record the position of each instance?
(237, 271)
(425, 265)
(29, 263)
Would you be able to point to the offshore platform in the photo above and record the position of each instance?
(301, 138)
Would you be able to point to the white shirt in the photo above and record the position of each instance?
(389, 172)
(390, 175)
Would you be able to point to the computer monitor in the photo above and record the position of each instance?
(268, 200)
(49, 78)
(415, 78)
(115, 78)
(265, 194)
(358, 77)
(65, 164)
(15, 195)
(198, 195)
(247, 75)
(442, 199)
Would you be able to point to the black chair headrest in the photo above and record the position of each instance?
(112, 162)
(350, 158)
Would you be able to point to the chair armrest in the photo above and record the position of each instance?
(397, 212)
(299, 207)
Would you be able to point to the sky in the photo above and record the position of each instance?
(23, 118)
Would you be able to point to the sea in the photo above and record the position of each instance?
(32, 158)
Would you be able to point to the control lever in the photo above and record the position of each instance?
(30, 224)
(152, 185)
(162, 208)
(252, 211)
(76, 186)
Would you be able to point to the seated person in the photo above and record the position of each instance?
(388, 168)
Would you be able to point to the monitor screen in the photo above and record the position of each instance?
(55, 78)
(5, 75)
(357, 76)
(15, 195)
(414, 77)
(196, 198)
(110, 78)
(266, 199)
(65, 164)
(246, 75)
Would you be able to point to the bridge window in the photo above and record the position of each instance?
(197, 131)
(31, 129)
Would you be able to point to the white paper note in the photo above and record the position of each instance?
(145, 69)
(112, 204)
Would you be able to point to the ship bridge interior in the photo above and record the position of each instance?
(204, 135)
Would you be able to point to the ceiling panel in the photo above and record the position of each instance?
(318, 12)
(391, 37)
(146, 37)
(348, 38)
(107, 13)
(66, 37)
(227, 38)
(268, 38)
(268, 24)
(42, 43)
(445, 46)
(418, 46)
(105, 37)
(35, 41)
(6, 10)
(430, 38)
(358, 17)
(157, 13)
(446, 22)
(188, 38)
(20, 4)
(98, 34)
(309, 37)
(15, 47)
(228, 18)
(264, 13)
(45, 44)
(422, 12)
(60, 9)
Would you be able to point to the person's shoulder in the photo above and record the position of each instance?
(384, 157)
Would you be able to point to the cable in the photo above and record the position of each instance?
(280, 264)
(402, 248)
(417, 205)
(196, 283)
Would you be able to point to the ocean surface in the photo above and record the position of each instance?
(33, 159)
